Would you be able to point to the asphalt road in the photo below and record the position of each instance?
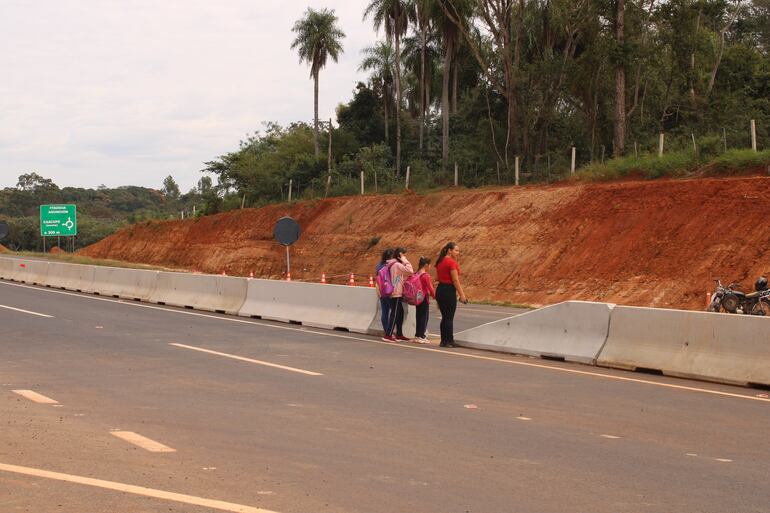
(266, 416)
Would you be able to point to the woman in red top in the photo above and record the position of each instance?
(424, 308)
(449, 287)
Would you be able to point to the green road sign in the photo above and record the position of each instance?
(58, 220)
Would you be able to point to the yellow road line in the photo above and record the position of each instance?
(35, 397)
(250, 360)
(142, 441)
(26, 311)
(136, 490)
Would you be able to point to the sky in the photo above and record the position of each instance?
(127, 92)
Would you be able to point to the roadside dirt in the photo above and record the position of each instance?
(3, 249)
(651, 243)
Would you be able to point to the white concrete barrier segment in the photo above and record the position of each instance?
(24, 270)
(125, 283)
(200, 291)
(715, 347)
(70, 276)
(574, 331)
(312, 304)
(6, 268)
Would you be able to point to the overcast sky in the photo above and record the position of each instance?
(126, 92)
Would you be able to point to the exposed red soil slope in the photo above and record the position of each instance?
(656, 243)
(3, 249)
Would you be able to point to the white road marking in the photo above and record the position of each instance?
(26, 311)
(691, 454)
(35, 397)
(403, 346)
(523, 418)
(142, 441)
(723, 460)
(250, 360)
(136, 490)
(611, 437)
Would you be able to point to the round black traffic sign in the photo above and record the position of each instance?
(4, 230)
(286, 231)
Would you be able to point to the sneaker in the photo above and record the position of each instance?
(389, 338)
(447, 344)
(401, 337)
(422, 340)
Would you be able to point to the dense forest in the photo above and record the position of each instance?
(100, 211)
(481, 84)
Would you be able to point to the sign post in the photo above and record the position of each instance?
(286, 231)
(58, 221)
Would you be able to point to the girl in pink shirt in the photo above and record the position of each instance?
(423, 309)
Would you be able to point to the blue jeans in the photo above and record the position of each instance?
(385, 314)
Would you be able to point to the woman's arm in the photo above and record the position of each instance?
(456, 282)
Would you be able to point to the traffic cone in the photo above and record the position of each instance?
(224, 273)
(323, 277)
(251, 275)
(352, 280)
(288, 276)
(708, 299)
(371, 281)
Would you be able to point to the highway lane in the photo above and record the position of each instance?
(383, 428)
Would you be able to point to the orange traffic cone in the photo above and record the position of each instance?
(251, 275)
(224, 273)
(288, 276)
(352, 280)
(708, 299)
(323, 277)
(371, 281)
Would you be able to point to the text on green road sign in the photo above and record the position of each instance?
(58, 220)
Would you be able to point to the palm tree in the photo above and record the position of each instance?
(318, 38)
(392, 14)
(379, 59)
(420, 14)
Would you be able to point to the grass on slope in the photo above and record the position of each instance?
(675, 164)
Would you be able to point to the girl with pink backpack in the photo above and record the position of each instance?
(382, 291)
(423, 308)
(400, 270)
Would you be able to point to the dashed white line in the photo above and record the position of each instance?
(35, 397)
(136, 490)
(142, 441)
(412, 347)
(26, 311)
(250, 360)
(523, 418)
(611, 437)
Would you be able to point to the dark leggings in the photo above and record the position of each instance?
(446, 297)
(422, 311)
(396, 317)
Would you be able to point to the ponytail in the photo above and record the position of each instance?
(444, 251)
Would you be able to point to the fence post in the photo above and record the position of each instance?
(498, 171)
(290, 183)
(328, 184)
(661, 141)
(407, 177)
(362, 183)
(376, 190)
(455, 174)
(516, 170)
(603, 150)
(572, 168)
(636, 150)
(694, 146)
(753, 135)
(724, 138)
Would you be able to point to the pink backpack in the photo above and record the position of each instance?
(413, 293)
(384, 283)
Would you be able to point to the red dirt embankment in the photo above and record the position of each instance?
(657, 243)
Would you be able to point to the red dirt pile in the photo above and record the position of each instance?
(656, 243)
(3, 249)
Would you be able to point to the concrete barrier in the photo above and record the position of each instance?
(573, 331)
(6, 268)
(715, 347)
(75, 277)
(26, 270)
(200, 291)
(312, 304)
(133, 284)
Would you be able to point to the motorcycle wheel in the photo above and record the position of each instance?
(761, 308)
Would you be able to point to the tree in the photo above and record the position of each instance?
(619, 123)
(380, 60)
(318, 38)
(170, 189)
(33, 182)
(204, 185)
(393, 16)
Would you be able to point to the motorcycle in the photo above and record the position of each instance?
(731, 299)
